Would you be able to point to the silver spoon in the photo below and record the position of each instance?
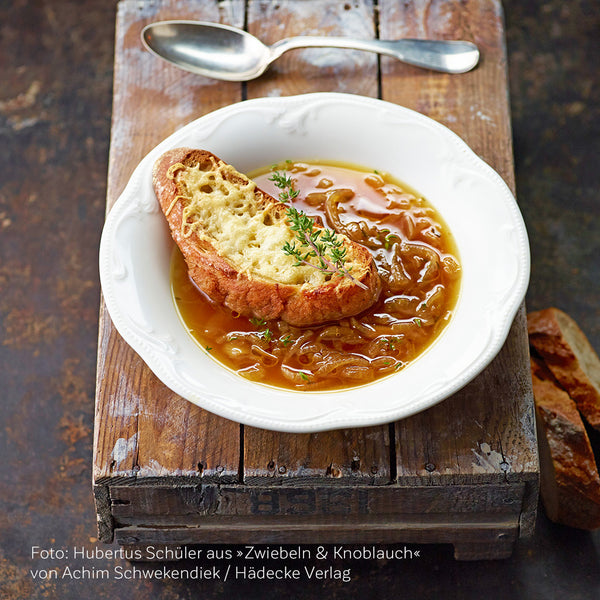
(224, 52)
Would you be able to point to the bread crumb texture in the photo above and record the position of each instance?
(222, 205)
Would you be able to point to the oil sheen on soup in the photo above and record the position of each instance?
(416, 258)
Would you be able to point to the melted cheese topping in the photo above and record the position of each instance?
(249, 235)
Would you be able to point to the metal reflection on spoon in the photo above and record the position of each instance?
(231, 54)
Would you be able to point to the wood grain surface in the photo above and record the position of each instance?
(149, 441)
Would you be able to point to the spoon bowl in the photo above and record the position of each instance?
(231, 54)
(210, 49)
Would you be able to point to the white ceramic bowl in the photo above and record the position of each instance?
(135, 254)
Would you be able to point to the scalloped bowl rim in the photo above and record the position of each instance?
(136, 247)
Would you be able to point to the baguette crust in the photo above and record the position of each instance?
(247, 292)
(570, 357)
(570, 484)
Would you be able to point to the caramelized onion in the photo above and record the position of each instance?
(416, 261)
(266, 358)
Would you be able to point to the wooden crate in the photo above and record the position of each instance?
(464, 472)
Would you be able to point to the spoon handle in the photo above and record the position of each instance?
(438, 55)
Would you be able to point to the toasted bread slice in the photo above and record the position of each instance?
(570, 357)
(570, 484)
(231, 235)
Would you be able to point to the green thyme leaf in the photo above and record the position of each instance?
(324, 245)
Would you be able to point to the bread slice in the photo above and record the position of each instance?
(231, 235)
(570, 484)
(570, 357)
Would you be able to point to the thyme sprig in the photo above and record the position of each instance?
(311, 242)
(284, 183)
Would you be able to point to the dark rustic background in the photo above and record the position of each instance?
(55, 110)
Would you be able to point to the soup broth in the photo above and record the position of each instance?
(417, 261)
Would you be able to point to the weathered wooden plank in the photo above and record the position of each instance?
(162, 505)
(152, 98)
(485, 432)
(337, 457)
(501, 548)
(315, 69)
(142, 428)
(488, 530)
(342, 457)
(474, 105)
(116, 411)
(481, 433)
